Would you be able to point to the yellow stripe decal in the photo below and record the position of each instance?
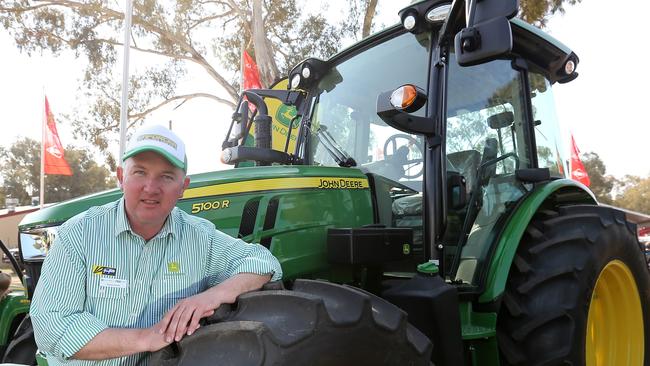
(276, 184)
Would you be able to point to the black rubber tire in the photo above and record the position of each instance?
(543, 317)
(317, 323)
(22, 347)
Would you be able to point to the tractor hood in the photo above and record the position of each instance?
(218, 183)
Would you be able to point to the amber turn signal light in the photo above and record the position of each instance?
(407, 98)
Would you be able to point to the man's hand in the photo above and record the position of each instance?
(184, 317)
(153, 339)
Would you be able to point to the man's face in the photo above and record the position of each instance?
(151, 187)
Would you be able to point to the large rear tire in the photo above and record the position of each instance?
(317, 323)
(578, 292)
(22, 347)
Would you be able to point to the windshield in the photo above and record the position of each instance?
(345, 122)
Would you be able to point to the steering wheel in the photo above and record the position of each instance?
(404, 150)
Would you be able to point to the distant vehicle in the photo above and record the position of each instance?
(644, 239)
(14, 252)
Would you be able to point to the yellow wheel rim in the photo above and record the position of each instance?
(615, 334)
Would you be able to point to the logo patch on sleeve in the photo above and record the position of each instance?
(104, 270)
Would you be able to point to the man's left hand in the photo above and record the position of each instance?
(184, 317)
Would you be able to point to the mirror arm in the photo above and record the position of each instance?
(470, 12)
(401, 120)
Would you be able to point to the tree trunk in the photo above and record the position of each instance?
(263, 52)
(368, 17)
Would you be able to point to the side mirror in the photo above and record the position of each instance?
(488, 35)
(483, 42)
(501, 120)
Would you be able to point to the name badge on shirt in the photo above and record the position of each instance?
(113, 282)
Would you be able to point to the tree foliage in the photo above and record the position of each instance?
(538, 12)
(21, 166)
(630, 192)
(635, 194)
(208, 34)
(601, 183)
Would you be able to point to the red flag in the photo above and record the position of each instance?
(251, 74)
(578, 171)
(54, 161)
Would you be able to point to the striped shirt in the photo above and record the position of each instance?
(99, 274)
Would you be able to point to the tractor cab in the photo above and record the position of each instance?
(492, 122)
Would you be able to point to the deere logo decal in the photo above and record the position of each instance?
(285, 114)
(173, 267)
(341, 183)
(104, 271)
(406, 249)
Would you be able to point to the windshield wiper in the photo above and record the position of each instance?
(339, 155)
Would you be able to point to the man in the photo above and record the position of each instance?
(135, 275)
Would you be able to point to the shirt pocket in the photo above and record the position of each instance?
(107, 303)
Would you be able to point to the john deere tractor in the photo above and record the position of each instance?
(413, 188)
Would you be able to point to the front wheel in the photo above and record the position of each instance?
(316, 323)
(22, 347)
(578, 292)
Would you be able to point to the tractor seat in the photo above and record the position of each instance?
(466, 163)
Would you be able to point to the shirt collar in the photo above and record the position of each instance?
(121, 221)
(170, 227)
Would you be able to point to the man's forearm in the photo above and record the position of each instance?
(228, 290)
(117, 342)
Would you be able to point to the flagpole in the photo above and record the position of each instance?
(41, 199)
(242, 48)
(125, 77)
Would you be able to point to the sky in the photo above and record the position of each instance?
(600, 107)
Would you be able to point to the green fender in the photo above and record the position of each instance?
(13, 304)
(564, 191)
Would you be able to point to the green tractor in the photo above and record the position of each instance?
(14, 306)
(413, 188)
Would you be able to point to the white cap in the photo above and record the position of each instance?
(161, 140)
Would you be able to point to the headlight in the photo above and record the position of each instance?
(295, 81)
(306, 72)
(34, 244)
(409, 22)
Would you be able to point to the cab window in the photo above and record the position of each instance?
(486, 142)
